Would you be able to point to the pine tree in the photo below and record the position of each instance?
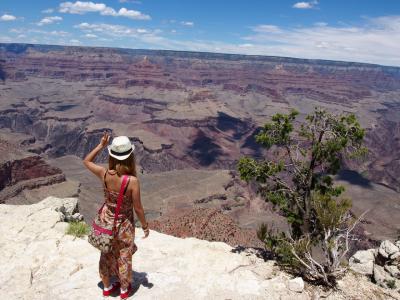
(299, 182)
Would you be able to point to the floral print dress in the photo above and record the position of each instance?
(118, 262)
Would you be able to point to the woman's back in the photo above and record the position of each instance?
(112, 186)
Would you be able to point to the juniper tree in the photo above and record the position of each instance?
(299, 182)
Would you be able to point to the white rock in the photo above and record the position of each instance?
(380, 276)
(363, 262)
(392, 270)
(39, 261)
(395, 256)
(384, 279)
(296, 285)
(387, 248)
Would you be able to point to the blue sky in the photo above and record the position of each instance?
(351, 30)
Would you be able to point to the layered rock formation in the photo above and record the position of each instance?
(39, 261)
(20, 171)
(187, 100)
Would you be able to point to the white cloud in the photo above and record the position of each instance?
(75, 42)
(48, 11)
(114, 30)
(59, 33)
(376, 41)
(49, 20)
(247, 45)
(7, 17)
(90, 35)
(187, 23)
(267, 29)
(81, 7)
(130, 1)
(305, 5)
(133, 14)
(17, 30)
(5, 39)
(321, 24)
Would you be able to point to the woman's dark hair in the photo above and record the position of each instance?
(126, 166)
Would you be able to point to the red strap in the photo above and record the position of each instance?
(98, 229)
(119, 201)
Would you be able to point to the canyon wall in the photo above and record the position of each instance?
(187, 111)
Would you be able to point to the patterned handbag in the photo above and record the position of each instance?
(102, 234)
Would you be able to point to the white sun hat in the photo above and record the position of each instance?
(120, 147)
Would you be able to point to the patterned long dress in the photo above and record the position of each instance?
(118, 262)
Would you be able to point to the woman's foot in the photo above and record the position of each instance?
(125, 294)
(109, 291)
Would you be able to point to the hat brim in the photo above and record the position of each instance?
(120, 157)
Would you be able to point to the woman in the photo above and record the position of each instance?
(121, 162)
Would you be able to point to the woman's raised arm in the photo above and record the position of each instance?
(88, 160)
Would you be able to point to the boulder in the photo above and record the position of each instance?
(384, 279)
(395, 256)
(363, 262)
(393, 271)
(68, 208)
(387, 248)
(296, 285)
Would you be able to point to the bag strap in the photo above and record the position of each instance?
(119, 201)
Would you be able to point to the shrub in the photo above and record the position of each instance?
(391, 284)
(78, 229)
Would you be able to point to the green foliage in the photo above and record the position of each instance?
(277, 243)
(299, 182)
(391, 284)
(313, 153)
(78, 229)
(277, 132)
(250, 169)
(329, 211)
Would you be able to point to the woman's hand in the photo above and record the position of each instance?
(146, 231)
(104, 139)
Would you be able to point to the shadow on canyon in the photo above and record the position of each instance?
(354, 178)
(204, 150)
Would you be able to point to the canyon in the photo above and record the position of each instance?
(191, 116)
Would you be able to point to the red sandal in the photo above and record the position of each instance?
(115, 286)
(126, 294)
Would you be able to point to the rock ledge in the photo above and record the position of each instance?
(40, 262)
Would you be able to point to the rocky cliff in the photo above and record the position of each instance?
(39, 261)
(21, 170)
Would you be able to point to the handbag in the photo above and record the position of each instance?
(102, 233)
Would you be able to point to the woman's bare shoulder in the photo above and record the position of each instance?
(133, 181)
